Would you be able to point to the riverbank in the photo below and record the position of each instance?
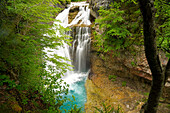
(102, 90)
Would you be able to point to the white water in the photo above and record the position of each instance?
(81, 44)
(78, 53)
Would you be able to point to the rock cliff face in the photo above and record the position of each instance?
(125, 65)
(96, 4)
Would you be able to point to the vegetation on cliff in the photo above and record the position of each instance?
(122, 29)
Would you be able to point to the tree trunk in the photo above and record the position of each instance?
(146, 7)
(167, 71)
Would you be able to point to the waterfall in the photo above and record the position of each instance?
(82, 39)
(77, 54)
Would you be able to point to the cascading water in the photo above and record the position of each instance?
(78, 53)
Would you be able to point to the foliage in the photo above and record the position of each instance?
(120, 28)
(146, 93)
(22, 41)
(77, 0)
(112, 77)
(6, 80)
(163, 25)
(75, 109)
(168, 106)
(64, 2)
(109, 109)
(124, 83)
(133, 64)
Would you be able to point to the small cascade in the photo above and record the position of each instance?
(81, 49)
(78, 53)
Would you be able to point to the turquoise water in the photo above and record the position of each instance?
(79, 92)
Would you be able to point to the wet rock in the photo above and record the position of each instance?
(72, 13)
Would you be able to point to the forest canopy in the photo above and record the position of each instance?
(23, 25)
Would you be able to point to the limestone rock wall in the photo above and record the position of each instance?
(96, 4)
(132, 66)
